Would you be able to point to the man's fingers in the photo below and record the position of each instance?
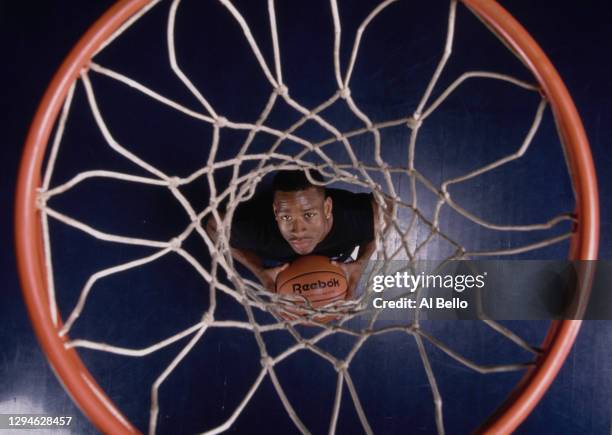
(277, 270)
(340, 265)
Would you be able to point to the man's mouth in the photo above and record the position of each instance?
(300, 243)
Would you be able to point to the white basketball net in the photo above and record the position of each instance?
(395, 242)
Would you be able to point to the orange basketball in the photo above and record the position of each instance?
(315, 278)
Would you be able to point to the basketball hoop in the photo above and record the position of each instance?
(34, 260)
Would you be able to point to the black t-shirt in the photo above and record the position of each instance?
(255, 229)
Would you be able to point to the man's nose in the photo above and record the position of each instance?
(298, 226)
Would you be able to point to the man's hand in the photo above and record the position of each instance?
(353, 272)
(267, 277)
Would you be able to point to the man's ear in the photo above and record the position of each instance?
(328, 205)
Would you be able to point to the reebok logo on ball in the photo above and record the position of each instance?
(299, 288)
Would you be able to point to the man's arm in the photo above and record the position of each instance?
(354, 269)
(249, 259)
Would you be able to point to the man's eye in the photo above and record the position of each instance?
(310, 215)
(285, 218)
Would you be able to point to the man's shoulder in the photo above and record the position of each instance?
(349, 199)
(353, 221)
(254, 215)
(259, 202)
(254, 227)
(352, 210)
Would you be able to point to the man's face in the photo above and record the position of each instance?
(304, 217)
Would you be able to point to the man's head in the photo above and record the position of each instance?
(302, 210)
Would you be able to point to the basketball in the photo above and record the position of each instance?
(315, 278)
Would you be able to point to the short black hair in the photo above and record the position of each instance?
(292, 181)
